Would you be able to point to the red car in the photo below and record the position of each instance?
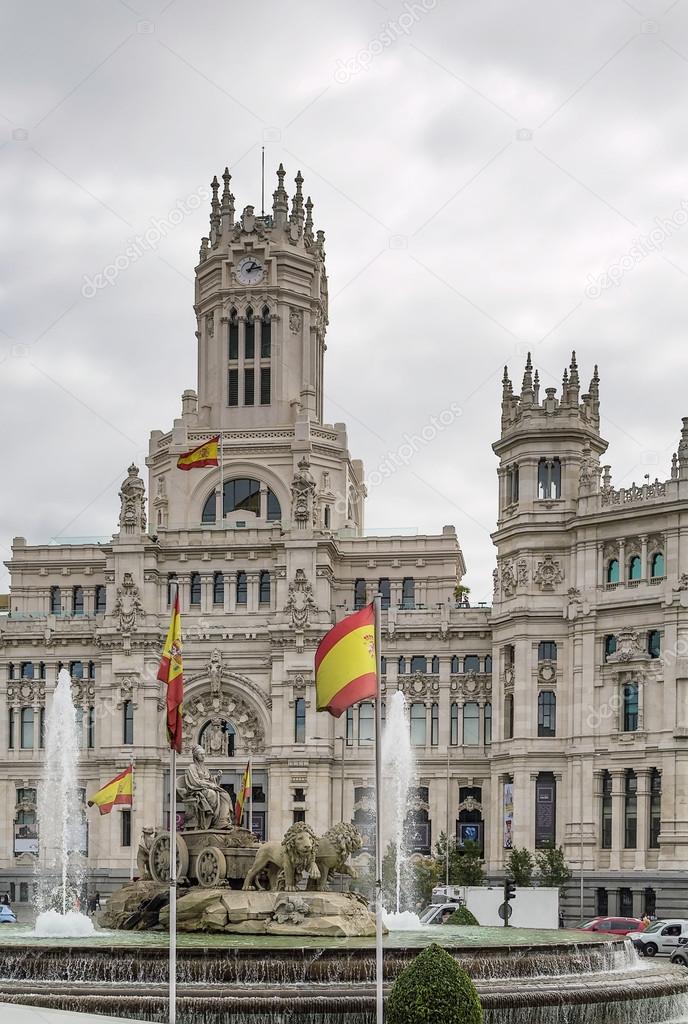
(613, 925)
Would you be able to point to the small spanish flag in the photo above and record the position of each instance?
(205, 455)
(118, 791)
(171, 672)
(345, 663)
(243, 795)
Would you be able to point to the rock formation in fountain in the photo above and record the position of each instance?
(60, 821)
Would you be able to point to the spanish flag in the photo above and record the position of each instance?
(243, 795)
(205, 455)
(345, 663)
(118, 791)
(171, 672)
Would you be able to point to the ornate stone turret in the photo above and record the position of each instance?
(132, 516)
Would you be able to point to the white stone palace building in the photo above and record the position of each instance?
(559, 714)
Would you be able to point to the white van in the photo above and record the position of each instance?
(659, 937)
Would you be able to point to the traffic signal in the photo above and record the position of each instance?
(509, 889)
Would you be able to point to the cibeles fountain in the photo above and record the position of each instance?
(230, 883)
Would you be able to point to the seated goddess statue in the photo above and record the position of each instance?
(209, 806)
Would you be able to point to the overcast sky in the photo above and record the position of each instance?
(477, 168)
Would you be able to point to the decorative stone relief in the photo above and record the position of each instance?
(628, 647)
(522, 572)
(132, 516)
(470, 804)
(548, 573)
(300, 600)
(295, 320)
(230, 708)
(215, 669)
(127, 689)
(210, 325)
(303, 495)
(495, 582)
(547, 671)
(128, 604)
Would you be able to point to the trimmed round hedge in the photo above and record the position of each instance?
(433, 990)
(463, 916)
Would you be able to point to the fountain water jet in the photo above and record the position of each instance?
(397, 771)
(60, 871)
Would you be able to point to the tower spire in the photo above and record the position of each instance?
(297, 202)
(308, 227)
(527, 385)
(214, 210)
(280, 199)
(227, 202)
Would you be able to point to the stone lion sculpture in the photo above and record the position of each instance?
(333, 851)
(285, 862)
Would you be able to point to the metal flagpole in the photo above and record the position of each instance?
(173, 886)
(250, 794)
(379, 999)
(132, 832)
(220, 503)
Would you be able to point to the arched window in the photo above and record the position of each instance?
(300, 720)
(76, 669)
(366, 722)
(454, 666)
(657, 566)
(218, 588)
(27, 670)
(241, 495)
(225, 741)
(630, 810)
(471, 724)
(488, 663)
(249, 334)
(26, 734)
(128, 722)
(547, 650)
(171, 587)
(419, 663)
(418, 719)
(471, 663)
(613, 573)
(434, 724)
(195, 591)
(634, 568)
(630, 707)
(547, 713)
(549, 478)
(265, 334)
(509, 716)
(402, 665)
(264, 587)
(101, 603)
(454, 724)
(359, 594)
(233, 328)
(241, 587)
(435, 665)
(384, 592)
(609, 645)
(78, 600)
(408, 592)
(487, 719)
(654, 643)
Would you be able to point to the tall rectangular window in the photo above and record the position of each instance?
(10, 734)
(454, 724)
(509, 716)
(631, 811)
(265, 334)
(100, 600)
(434, 724)
(264, 587)
(359, 594)
(265, 385)
(218, 588)
(366, 722)
(630, 707)
(418, 725)
(300, 720)
(249, 335)
(549, 478)
(547, 650)
(349, 727)
(655, 809)
(233, 336)
(26, 729)
(384, 592)
(78, 600)
(249, 389)
(91, 728)
(233, 388)
(241, 588)
(128, 722)
(606, 823)
(471, 724)
(125, 818)
(547, 713)
(487, 719)
(408, 592)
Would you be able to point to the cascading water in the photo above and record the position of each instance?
(60, 823)
(397, 772)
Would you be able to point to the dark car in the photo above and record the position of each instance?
(613, 925)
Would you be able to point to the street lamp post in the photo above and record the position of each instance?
(446, 852)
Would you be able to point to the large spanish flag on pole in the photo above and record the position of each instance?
(171, 672)
(345, 665)
(205, 454)
(118, 791)
(243, 794)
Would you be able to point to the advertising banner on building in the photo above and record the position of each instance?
(26, 838)
(508, 815)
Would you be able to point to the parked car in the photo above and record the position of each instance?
(613, 925)
(438, 913)
(680, 954)
(660, 937)
(7, 915)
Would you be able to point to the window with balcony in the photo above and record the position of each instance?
(408, 593)
(634, 567)
(630, 707)
(657, 570)
(613, 571)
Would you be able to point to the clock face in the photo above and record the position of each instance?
(249, 270)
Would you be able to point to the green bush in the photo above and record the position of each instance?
(463, 916)
(433, 990)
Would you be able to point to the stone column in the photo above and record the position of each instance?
(622, 561)
(252, 598)
(643, 815)
(184, 585)
(206, 594)
(89, 601)
(643, 557)
(263, 490)
(598, 776)
(618, 794)
(600, 566)
(230, 588)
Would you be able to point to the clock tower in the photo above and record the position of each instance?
(261, 304)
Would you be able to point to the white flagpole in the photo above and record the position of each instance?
(379, 998)
(132, 830)
(173, 887)
(250, 794)
(220, 503)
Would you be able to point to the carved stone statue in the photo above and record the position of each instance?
(300, 600)
(143, 852)
(208, 805)
(132, 516)
(128, 604)
(303, 495)
(215, 673)
(301, 851)
(215, 740)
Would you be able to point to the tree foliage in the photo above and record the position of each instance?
(521, 866)
(551, 866)
(433, 990)
(419, 876)
(469, 869)
(463, 916)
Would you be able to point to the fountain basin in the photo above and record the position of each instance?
(534, 978)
